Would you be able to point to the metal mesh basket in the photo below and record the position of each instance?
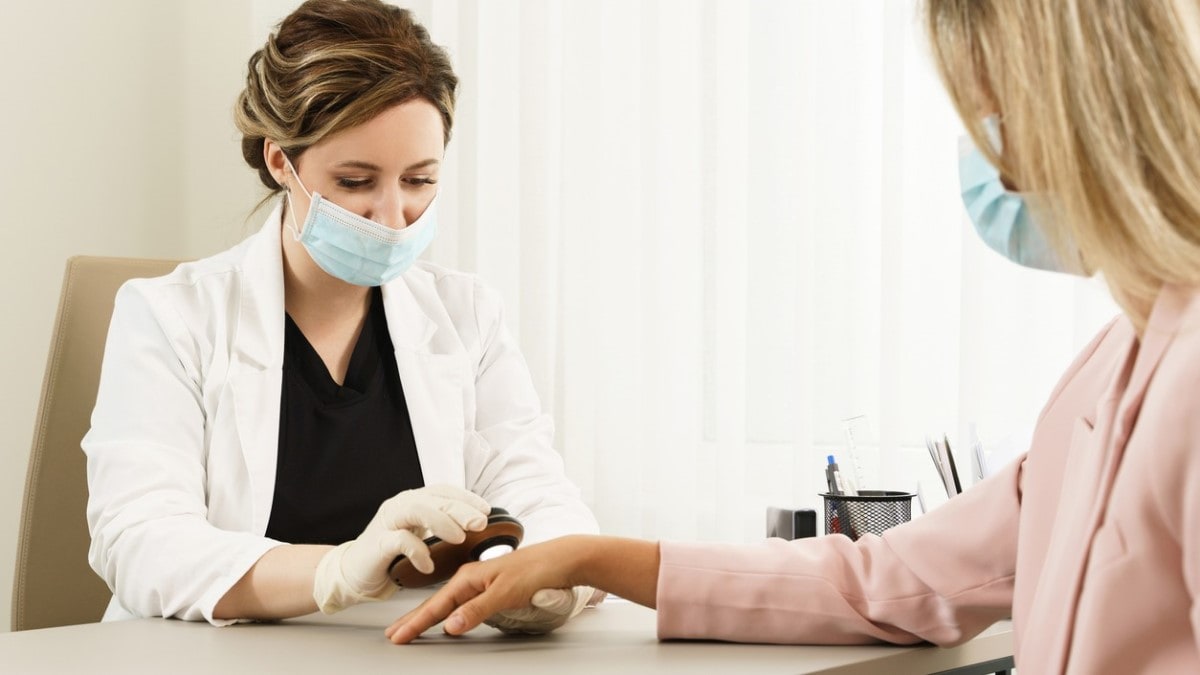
(872, 511)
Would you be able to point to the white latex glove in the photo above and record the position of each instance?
(356, 571)
(549, 609)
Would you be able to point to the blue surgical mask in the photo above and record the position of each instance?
(1002, 218)
(359, 250)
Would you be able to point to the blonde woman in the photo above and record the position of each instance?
(1091, 542)
(277, 423)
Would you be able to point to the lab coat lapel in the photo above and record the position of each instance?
(433, 385)
(256, 375)
(1093, 462)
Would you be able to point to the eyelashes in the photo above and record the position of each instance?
(357, 184)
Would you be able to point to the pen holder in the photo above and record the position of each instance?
(871, 511)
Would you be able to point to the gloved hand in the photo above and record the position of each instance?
(550, 608)
(356, 571)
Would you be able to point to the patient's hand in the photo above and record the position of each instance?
(483, 589)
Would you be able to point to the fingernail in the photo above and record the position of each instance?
(454, 623)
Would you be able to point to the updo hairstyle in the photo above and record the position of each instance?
(332, 65)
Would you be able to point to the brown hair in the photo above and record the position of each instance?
(335, 64)
(1100, 106)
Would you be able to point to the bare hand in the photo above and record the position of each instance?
(482, 589)
(625, 567)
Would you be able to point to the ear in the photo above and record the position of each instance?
(277, 163)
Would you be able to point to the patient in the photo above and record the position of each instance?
(1092, 108)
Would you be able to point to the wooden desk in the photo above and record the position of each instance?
(617, 637)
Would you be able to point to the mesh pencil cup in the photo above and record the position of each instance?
(871, 511)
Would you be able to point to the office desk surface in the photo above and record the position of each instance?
(615, 637)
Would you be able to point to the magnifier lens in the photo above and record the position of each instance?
(495, 551)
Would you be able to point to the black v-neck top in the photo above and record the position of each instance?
(343, 450)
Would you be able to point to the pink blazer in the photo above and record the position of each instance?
(1090, 542)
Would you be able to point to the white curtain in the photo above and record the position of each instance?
(722, 228)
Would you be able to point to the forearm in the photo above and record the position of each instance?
(624, 567)
(278, 586)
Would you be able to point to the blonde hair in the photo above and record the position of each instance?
(332, 65)
(1100, 107)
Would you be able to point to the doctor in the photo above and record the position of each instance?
(276, 423)
(1091, 541)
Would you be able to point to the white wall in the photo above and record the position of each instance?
(118, 140)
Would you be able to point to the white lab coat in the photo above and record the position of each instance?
(182, 449)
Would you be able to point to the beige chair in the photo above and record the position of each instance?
(53, 584)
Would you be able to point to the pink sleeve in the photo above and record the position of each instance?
(943, 578)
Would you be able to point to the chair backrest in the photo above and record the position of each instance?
(53, 584)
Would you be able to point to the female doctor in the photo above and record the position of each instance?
(1091, 541)
(276, 423)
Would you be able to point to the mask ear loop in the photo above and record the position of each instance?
(292, 207)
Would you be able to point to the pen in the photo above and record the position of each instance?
(832, 478)
(943, 472)
(953, 468)
(841, 520)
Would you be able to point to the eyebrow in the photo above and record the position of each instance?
(358, 164)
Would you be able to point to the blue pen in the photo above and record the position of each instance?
(840, 520)
(832, 477)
